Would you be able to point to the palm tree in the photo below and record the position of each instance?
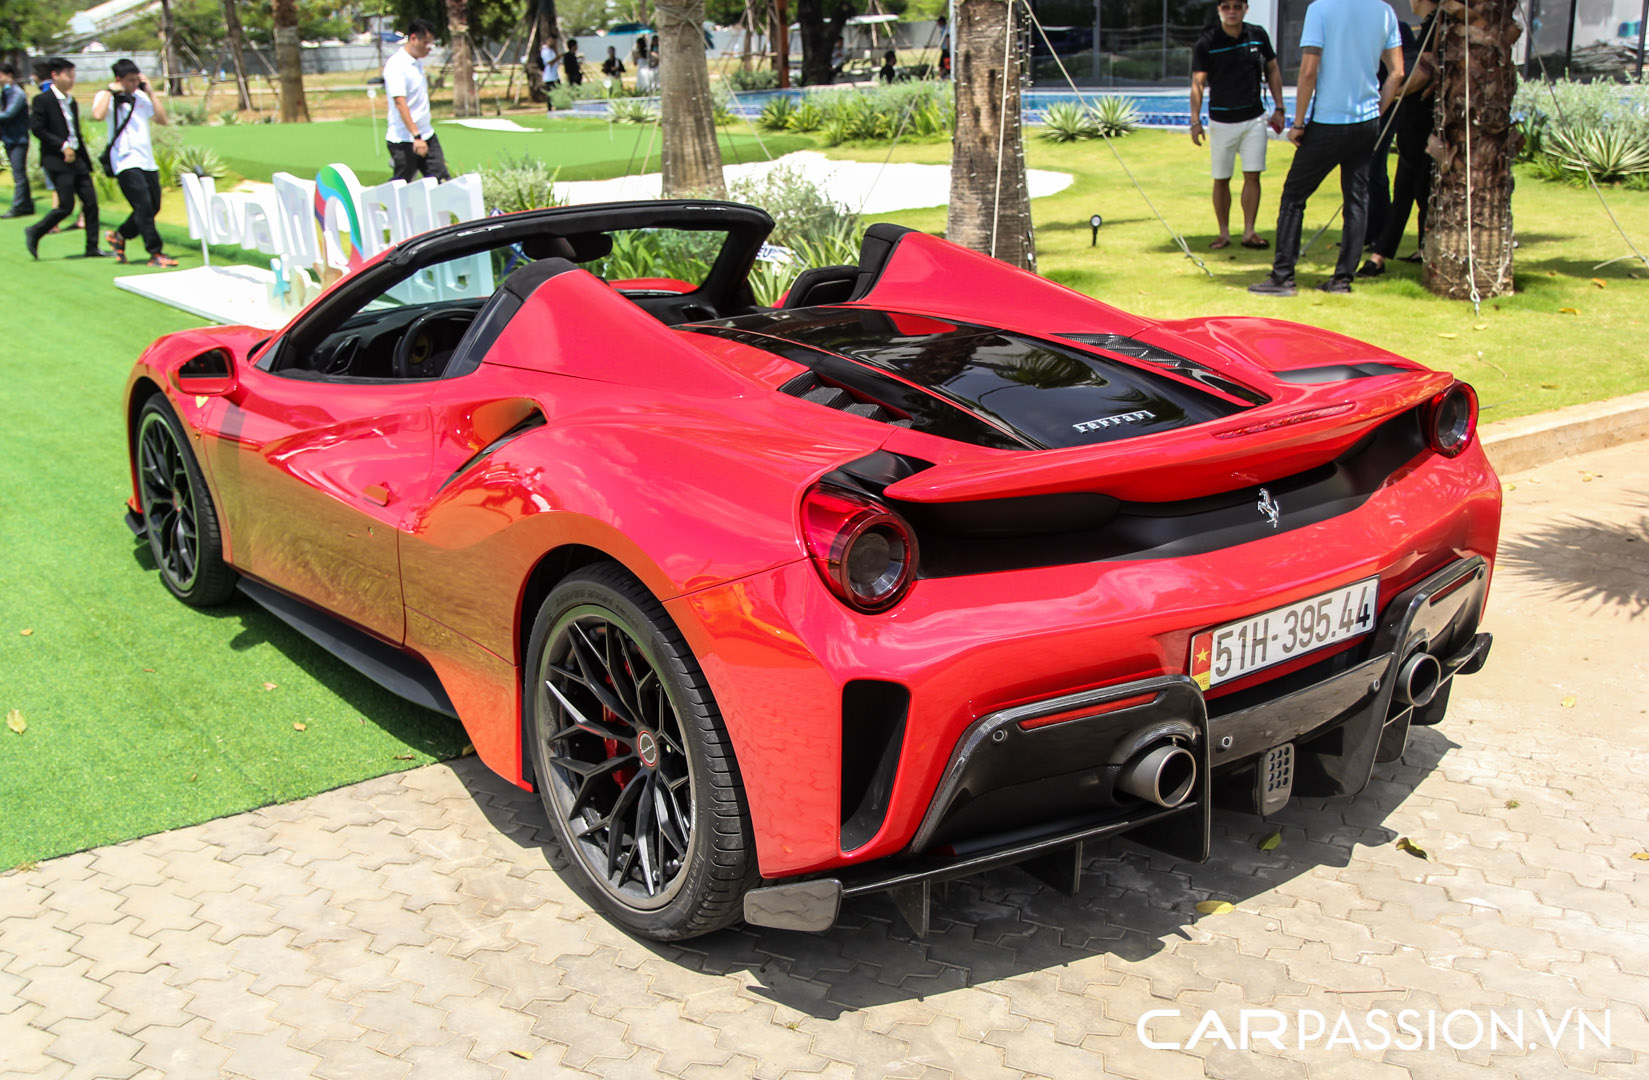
(691, 158)
(1485, 65)
(542, 19)
(168, 45)
(289, 62)
(465, 100)
(231, 26)
(990, 208)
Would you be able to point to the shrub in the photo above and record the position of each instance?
(229, 117)
(519, 183)
(776, 114)
(807, 116)
(1067, 121)
(1115, 116)
(632, 111)
(187, 115)
(814, 229)
(754, 79)
(174, 157)
(1570, 128)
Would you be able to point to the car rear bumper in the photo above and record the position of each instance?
(1341, 716)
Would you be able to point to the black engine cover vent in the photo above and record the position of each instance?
(809, 387)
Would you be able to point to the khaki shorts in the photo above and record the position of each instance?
(1227, 141)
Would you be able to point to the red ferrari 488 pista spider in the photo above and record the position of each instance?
(932, 567)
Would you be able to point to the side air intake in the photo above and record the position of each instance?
(809, 387)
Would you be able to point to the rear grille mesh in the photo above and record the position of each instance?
(809, 387)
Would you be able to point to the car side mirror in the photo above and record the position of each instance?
(211, 374)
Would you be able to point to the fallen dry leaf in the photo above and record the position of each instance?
(1568, 702)
(524, 1055)
(1450, 336)
(1405, 844)
(1548, 386)
(299, 725)
(1481, 326)
(1568, 311)
(1214, 907)
(1511, 487)
(403, 757)
(1512, 804)
(26, 633)
(15, 721)
(1641, 856)
(192, 776)
(466, 751)
(1270, 842)
(1600, 283)
(269, 686)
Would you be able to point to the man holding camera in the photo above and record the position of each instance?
(129, 111)
(55, 120)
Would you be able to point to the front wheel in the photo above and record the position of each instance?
(634, 767)
(177, 510)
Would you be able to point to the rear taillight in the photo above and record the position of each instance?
(865, 552)
(1451, 420)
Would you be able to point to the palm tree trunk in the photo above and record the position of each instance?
(289, 62)
(691, 158)
(231, 25)
(1469, 226)
(781, 41)
(168, 44)
(990, 208)
(465, 100)
(543, 21)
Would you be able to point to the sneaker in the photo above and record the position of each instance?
(165, 261)
(1336, 285)
(115, 240)
(1370, 268)
(1273, 285)
(97, 253)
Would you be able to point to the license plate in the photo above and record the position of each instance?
(1257, 642)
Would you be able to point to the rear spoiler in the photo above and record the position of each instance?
(1304, 427)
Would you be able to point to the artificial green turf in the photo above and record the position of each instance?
(1529, 356)
(581, 149)
(142, 714)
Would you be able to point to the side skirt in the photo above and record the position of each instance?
(396, 671)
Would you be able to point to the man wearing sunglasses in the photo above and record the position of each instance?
(1229, 62)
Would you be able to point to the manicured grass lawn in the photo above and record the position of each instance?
(1529, 356)
(143, 714)
(582, 149)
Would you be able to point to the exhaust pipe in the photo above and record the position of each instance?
(1164, 775)
(1419, 679)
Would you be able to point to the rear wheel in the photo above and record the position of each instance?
(177, 510)
(634, 766)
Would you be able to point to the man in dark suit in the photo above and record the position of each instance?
(55, 120)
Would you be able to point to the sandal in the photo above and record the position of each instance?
(1258, 243)
(1219, 244)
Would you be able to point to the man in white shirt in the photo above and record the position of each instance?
(128, 109)
(413, 147)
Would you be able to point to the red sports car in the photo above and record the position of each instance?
(934, 566)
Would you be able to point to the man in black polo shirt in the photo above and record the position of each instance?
(1229, 61)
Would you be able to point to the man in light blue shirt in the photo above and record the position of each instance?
(1338, 104)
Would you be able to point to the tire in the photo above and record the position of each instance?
(177, 510)
(631, 732)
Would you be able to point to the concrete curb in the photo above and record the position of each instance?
(1528, 441)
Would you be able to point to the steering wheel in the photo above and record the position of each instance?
(419, 355)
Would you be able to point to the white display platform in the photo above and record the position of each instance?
(487, 123)
(230, 295)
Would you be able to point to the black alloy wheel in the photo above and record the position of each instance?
(177, 510)
(633, 765)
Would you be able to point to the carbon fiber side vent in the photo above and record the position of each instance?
(809, 387)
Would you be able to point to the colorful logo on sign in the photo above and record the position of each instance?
(331, 186)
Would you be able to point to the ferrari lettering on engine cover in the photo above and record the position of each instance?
(1135, 417)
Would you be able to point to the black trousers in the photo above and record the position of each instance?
(142, 189)
(1323, 148)
(408, 164)
(1379, 181)
(1410, 191)
(68, 180)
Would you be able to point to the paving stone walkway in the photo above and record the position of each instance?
(416, 925)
